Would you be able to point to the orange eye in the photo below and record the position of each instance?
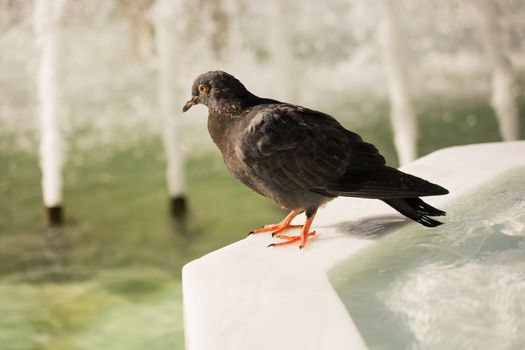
(204, 89)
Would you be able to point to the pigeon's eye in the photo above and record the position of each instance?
(204, 89)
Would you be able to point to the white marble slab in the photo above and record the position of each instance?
(247, 296)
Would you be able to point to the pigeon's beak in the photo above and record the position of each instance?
(193, 101)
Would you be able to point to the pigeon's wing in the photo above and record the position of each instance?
(294, 148)
(383, 183)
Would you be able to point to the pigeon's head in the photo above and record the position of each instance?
(218, 90)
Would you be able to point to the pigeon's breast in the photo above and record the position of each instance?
(245, 175)
(296, 199)
(225, 132)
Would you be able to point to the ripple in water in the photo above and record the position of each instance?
(459, 286)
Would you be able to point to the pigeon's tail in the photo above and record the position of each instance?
(417, 210)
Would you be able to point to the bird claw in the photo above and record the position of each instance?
(277, 231)
(292, 239)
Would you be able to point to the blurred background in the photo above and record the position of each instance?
(107, 190)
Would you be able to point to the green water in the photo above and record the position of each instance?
(458, 286)
(110, 278)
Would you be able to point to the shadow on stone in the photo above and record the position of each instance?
(372, 227)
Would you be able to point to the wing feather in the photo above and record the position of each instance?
(296, 149)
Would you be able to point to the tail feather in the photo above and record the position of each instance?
(417, 210)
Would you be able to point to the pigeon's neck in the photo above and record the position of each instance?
(220, 127)
(226, 116)
(235, 106)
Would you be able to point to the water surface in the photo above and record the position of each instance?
(458, 286)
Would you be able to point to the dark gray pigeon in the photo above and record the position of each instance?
(301, 158)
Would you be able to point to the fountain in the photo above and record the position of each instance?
(502, 100)
(165, 15)
(402, 114)
(47, 22)
(118, 119)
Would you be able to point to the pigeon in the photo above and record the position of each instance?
(301, 158)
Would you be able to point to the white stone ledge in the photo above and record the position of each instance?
(246, 296)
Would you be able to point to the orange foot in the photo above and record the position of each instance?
(302, 238)
(280, 227)
(292, 239)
